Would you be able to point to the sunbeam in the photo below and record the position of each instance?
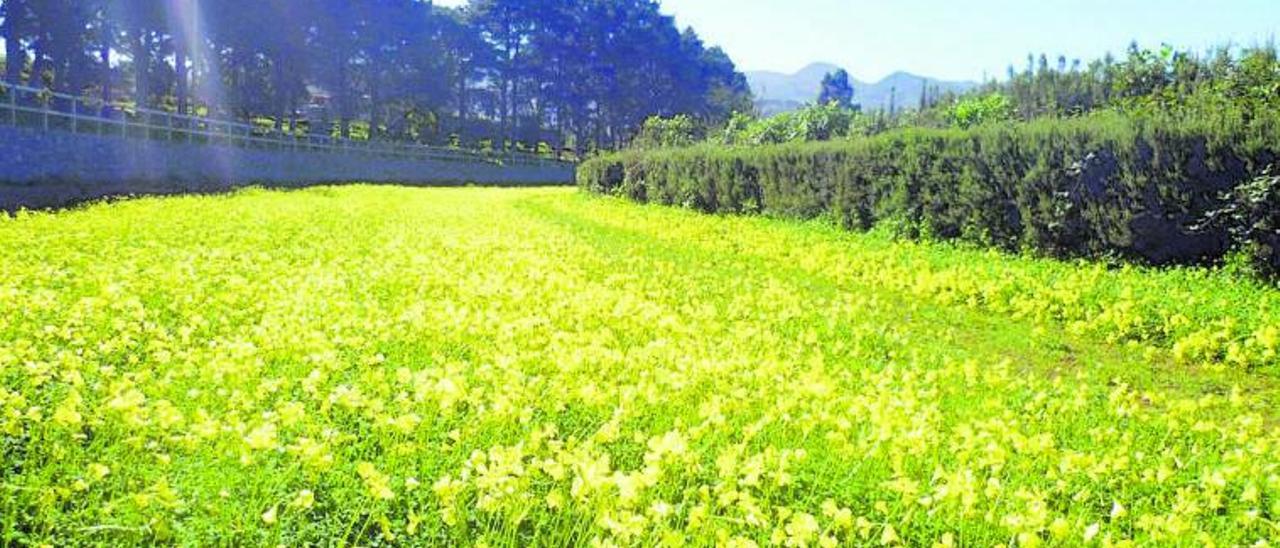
(187, 18)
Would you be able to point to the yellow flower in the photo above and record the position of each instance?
(946, 541)
(269, 517)
(802, 528)
(889, 536)
(376, 482)
(1091, 531)
(262, 438)
(414, 520)
(1117, 510)
(67, 413)
(98, 471)
(304, 500)
(555, 500)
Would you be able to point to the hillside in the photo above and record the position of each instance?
(778, 92)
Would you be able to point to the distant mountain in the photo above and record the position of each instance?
(777, 92)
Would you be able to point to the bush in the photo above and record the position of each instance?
(1251, 216)
(811, 123)
(977, 111)
(1103, 185)
(736, 129)
(677, 131)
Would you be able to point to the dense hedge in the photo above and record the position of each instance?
(1134, 187)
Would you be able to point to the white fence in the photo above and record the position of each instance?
(44, 109)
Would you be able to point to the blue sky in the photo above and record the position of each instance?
(959, 39)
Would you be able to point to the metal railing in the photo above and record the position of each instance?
(47, 110)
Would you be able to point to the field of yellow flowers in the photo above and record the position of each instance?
(394, 366)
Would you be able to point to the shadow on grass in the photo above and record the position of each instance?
(59, 194)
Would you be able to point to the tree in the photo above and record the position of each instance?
(15, 30)
(508, 25)
(103, 38)
(586, 72)
(836, 89)
(182, 25)
(334, 56)
(727, 88)
(142, 27)
(59, 36)
(467, 57)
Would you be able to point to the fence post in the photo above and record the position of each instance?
(13, 105)
(44, 112)
(75, 115)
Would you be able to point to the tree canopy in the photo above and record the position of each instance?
(569, 73)
(836, 89)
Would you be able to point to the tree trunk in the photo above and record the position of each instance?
(141, 60)
(373, 107)
(504, 104)
(342, 98)
(78, 75)
(180, 70)
(344, 117)
(39, 64)
(14, 54)
(72, 80)
(282, 98)
(513, 127)
(462, 98)
(104, 55)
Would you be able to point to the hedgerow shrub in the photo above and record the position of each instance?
(1105, 185)
(1251, 215)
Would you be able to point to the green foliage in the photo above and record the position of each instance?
(530, 367)
(1143, 80)
(1120, 159)
(822, 122)
(836, 89)
(677, 131)
(980, 110)
(1103, 185)
(736, 129)
(411, 70)
(1251, 216)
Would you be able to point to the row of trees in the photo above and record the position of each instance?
(569, 73)
(1142, 76)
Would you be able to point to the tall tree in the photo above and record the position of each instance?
(15, 30)
(183, 26)
(103, 38)
(334, 54)
(586, 72)
(142, 24)
(508, 25)
(836, 89)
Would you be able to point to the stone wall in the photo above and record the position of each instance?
(41, 169)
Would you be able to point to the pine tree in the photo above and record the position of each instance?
(836, 89)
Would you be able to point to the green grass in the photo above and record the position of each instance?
(372, 365)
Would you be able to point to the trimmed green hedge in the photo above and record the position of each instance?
(1094, 186)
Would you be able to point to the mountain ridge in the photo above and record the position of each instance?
(778, 92)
